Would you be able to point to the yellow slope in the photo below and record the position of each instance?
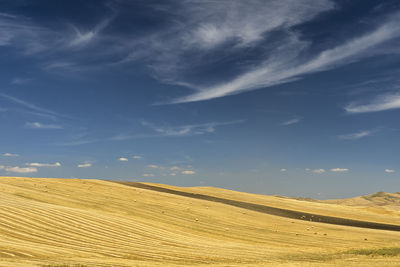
(101, 223)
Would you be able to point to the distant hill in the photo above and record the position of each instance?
(380, 202)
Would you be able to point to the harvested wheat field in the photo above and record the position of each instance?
(74, 222)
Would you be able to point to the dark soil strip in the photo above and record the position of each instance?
(272, 210)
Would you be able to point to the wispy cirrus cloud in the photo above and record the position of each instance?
(286, 68)
(218, 22)
(187, 130)
(27, 35)
(77, 142)
(202, 26)
(190, 39)
(38, 125)
(175, 131)
(380, 103)
(31, 108)
(292, 121)
(84, 38)
(81, 137)
(357, 135)
(20, 32)
(19, 81)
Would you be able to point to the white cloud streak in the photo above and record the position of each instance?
(244, 22)
(10, 155)
(200, 27)
(84, 38)
(283, 69)
(339, 170)
(22, 33)
(176, 131)
(31, 107)
(380, 103)
(85, 165)
(123, 159)
(188, 172)
(38, 125)
(187, 130)
(292, 121)
(319, 171)
(21, 169)
(25, 34)
(389, 171)
(354, 136)
(35, 164)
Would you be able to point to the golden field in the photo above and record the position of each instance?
(75, 222)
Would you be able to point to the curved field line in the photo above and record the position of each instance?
(270, 210)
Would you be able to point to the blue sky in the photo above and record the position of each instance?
(291, 97)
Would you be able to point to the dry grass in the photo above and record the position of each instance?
(72, 222)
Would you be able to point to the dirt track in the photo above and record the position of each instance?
(272, 210)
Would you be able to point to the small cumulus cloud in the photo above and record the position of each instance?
(123, 159)
(319, 171)
(10, 155)
(84, 165)
(137, 157)
(389, 171)
(21, 169)
(148, 175)
(354, 136)
(187, 172)
(339, 170)
(283, 170)
(35, 164)
(153, 166)
(172, 174)
(38, 125)
(174, 168)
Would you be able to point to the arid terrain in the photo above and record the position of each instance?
(75, 222)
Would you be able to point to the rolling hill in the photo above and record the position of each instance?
(75, 222)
